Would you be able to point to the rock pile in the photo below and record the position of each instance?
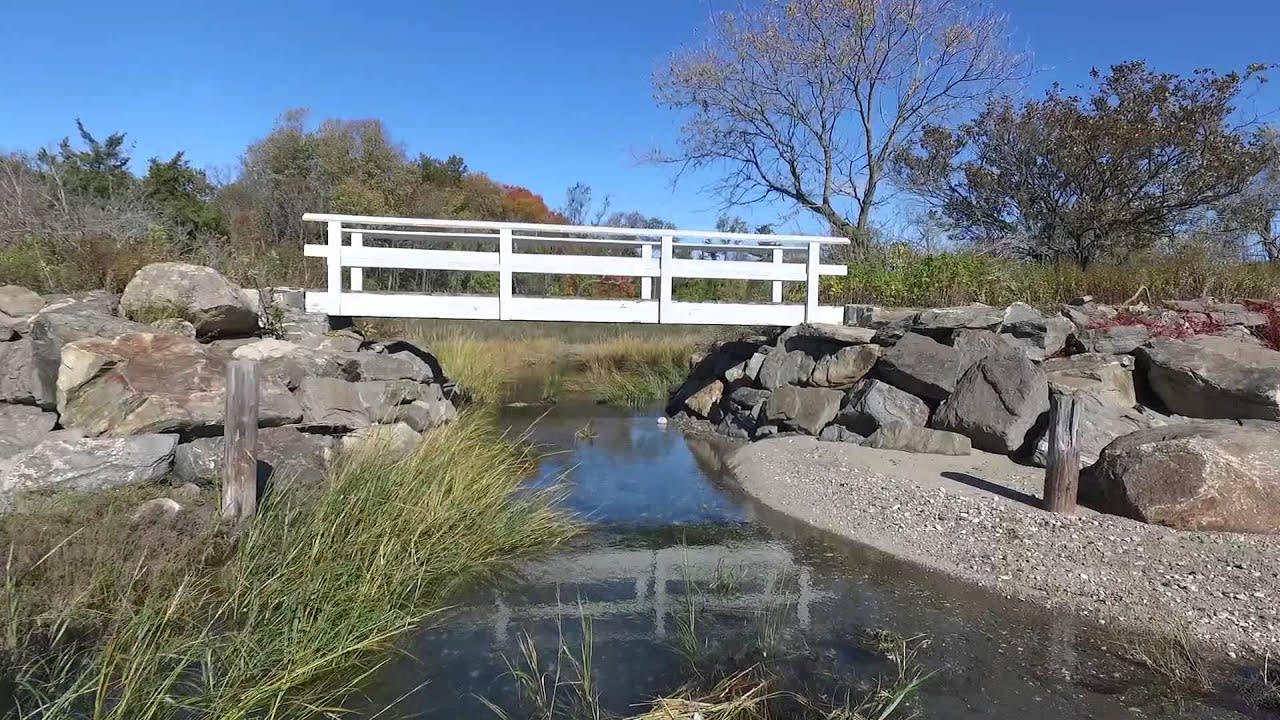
(98, 391)
(950, 379)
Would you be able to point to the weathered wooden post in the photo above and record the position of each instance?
(240, 442)
(1062, 468)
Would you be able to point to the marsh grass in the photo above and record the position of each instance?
(1169, 653)
(626, 367)
(307, 603)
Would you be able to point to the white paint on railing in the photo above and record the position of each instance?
(346, 247)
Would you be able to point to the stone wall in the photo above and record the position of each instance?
(98, 391)
(1176, 382)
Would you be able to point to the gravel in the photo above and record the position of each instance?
(976, 518)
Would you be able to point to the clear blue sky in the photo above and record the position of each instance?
(541, 94)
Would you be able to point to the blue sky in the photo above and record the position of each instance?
(541, 94)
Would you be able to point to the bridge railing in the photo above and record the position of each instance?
(654, 251)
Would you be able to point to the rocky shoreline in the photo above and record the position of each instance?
(976, 518)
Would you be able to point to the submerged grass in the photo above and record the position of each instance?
(302, 608)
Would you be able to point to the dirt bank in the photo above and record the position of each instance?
(976, 518)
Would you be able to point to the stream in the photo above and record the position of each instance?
(665, 518)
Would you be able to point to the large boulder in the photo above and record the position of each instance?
(290, 363)
(941, 323)
(872, 404)
(1213, 377)
(72, 462)
(914, 439)
(845, 366)
(61, 324)
(1109, 378)
(23, 427)
(1100, 422)
(429, 411)
(1037, 336)
(151, 382)
(973, 345)
(329, 404)
(18, 381)
(398, 439)
(282, 452)
(820, 333)
(1194, 476)
(779, 368)
(807, 409)
(997, 403)
(921, 366)
(199, 294)
(706, 400)
(19, 302)
(316, 331)
(1112, 340)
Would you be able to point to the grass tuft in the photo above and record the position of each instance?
(305, 608)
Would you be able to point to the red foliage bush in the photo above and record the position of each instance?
(1186, 324)
(1268, 333)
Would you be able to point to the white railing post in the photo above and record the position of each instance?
(504, 274)
(811, 282)
(646, 283)
(357, 274)
(335, 267)
(664, 279)
(777, 284)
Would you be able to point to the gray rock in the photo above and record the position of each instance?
(154, 382)
(22, 427)
(397, 439)
(1109, 378)
(1114, 340)
(839, 433)
(19, 302)
(156, 510)
(1212, 377)
(61, 324)
(1037, 336)
(973, 345)
(423, 415)
(845, 366)
(318, 332)
(177, 326)
(765, 431)
(914, 439)
(871, 404)
(382, 397)
(941, 323)
(332, 405)
(751, 373)
(921, 366)
(803, 408)
(283, 453)
(705, 402)
(378, 366)
(290, 363)
(18, 381)
(785, 368)
(997, 403)
(889, 334)
(1086, 315)
(737, 427)
(80, 463)
(748, 397)
(1195, 476)
(200, 294)
(1100, 422)
(837, 335)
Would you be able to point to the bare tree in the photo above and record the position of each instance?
(808, 100)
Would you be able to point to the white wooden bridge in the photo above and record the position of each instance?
(358, 243)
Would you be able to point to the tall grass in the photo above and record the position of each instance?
(308, 602)
(633, 372)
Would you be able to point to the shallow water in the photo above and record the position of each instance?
(664, 517)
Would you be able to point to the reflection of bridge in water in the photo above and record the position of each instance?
(754, 577)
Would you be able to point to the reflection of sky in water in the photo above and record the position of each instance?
(631, 471)
(663, 523)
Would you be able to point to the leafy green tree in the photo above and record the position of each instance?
(432, 171)
(1086, 179)
(100, 170)
(183, 194)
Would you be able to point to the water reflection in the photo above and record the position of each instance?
(670, 534)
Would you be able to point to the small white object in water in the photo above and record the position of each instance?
(662, 421)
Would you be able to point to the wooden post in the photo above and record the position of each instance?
(1062, 470)
(240, 442)
(777, 284)
(646, 283)
(505, 249)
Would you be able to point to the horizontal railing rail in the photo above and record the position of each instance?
(654, 258)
